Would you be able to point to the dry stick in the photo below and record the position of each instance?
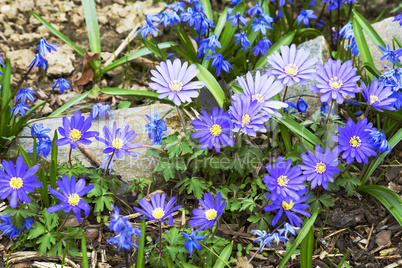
(110, 161)
(181, 120)
(69, 158)
(151, 147)
(123, 44)
(367, 111)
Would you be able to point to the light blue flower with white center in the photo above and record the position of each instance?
(255, 10)
(265, 239)
(24, 94)
(260, 24)
(38, 61)
(44, 47)
(39, 131)
(155, 128)
(192, 242)
(380, 142)
(288, 228)
(236, 19)
(208, 43)
(305, 16)
(101, 110)
(262, 47)
(219, 63)
(391, 55)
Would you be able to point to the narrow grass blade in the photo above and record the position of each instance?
(306, 250)
(91, 21)
(301, 236)
(85, 263)
(70, 104)
(136, 54)
(361, 42)
(53, 162)
(58, 34)
(369, 30)
(141, 251)
(135, 93)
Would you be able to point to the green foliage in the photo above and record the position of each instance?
(195, 186)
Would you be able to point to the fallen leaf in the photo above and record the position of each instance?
(87, 71)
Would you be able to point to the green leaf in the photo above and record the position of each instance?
(45, 242)
(187, 265)
(306, 249)
(124, 104)
(136, 54)
(85, 263)
(37, 230)
(211, 83)
(361, 42)
(135, 93)
(369, 30)
(325, 199)
(141, 250)
(221, 22)
(92, 25)
(303, 133)
(70, 104)
(387, 197)
(207, 9)
(372, 69)
(224, 257)
(302, 235)
(58, 34)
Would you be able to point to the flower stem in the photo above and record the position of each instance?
(108, 164)
(160, 238)
(329, 112)
(284, 94)
(151, 147)
(252, 257)
(346, 169)
(181, 120)
(69, 158)
(367, 111)
(62, 225)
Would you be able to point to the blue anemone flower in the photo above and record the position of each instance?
(290, 207)
(157, 210)
(284, 181)
(62, 84)
(75, 131)
(71, 196)
(191, 242)
(206, 218)
(355, 141)
(16, 181)
(378, 96)
(24, 94)
(213, 131)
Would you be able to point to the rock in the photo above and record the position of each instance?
(26, 39)
(91, 234)
(383, 238)
(20, 59)
(9, 11)
(120, 2)
(128, 167)
(386, 29)
(60, 62)
(319, 49)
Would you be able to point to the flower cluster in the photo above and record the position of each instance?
(347, 33)
(9, 229)
(155, 128)
(124, 230)
(43, 48)
(23, 95)
(44, 143)
(101, 110)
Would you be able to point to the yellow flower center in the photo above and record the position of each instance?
(335, 83)
(74, 199)
(287, 206)
(245, 119)
(320, 168)
(257, 97)
(158, 213)
(211, 214)
(355, 142)
(75, 135)
(291, 70)
(215, 130)
(16, 183)
(373, 99)
(175, 85)
(117, 143)
(282, 180)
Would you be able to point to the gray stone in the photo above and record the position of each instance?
(9, 11)
(60, 62)
(318, 49)
(128, 167)
(386, 29)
